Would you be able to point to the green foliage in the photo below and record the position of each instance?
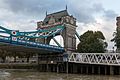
(92, 42)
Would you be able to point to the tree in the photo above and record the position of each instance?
(92, 42)
(3, 54)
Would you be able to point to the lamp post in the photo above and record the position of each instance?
(65, 59)
(67, 66)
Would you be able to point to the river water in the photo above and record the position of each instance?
(34, 75)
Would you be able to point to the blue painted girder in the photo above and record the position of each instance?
(35, 45)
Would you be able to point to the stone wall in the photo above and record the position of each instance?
(118, 31)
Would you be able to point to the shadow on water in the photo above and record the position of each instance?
(33, 75)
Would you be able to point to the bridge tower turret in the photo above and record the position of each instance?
(68, 34)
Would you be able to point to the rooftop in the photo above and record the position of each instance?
(57, 16)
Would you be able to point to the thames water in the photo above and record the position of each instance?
(35, 75)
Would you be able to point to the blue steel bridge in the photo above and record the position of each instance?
(15, 40)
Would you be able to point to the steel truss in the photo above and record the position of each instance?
(96, 58)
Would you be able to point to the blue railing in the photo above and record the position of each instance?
(32, 44)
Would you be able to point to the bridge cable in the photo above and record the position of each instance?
(56, 42)
(77, 35)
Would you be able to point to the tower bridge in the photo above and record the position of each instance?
(64, 58)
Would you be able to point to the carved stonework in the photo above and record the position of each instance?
(118, 18)
(39, 24)
(118, 22)
(51, 20)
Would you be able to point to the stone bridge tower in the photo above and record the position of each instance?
(68, 34)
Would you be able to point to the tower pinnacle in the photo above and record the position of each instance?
(66, 7)
(46, 13)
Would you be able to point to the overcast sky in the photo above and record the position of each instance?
(90, 14)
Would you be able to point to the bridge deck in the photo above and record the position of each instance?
(16, 48)
(28, 46)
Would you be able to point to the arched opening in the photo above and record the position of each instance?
(59, 39)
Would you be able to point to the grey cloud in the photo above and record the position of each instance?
(110, 15)
(84, 11)
(97, 8)
(84, 17)
(35, 8)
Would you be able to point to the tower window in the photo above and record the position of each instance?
(59, 19)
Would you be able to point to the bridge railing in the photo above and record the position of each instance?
(31, 44)
(96, 58)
